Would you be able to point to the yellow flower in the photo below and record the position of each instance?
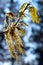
(11, 37)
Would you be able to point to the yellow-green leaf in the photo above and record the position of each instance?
(33, 14)
(21, 31)
(23, 6)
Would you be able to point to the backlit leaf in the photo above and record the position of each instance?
(23, 6)
(21, 31)
(33, 14)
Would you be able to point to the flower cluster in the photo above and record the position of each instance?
(13, 30)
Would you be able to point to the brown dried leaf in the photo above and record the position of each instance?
(11, 15)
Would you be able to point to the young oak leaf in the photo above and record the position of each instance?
(33, 14)
(21, 31)
(22, 8)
